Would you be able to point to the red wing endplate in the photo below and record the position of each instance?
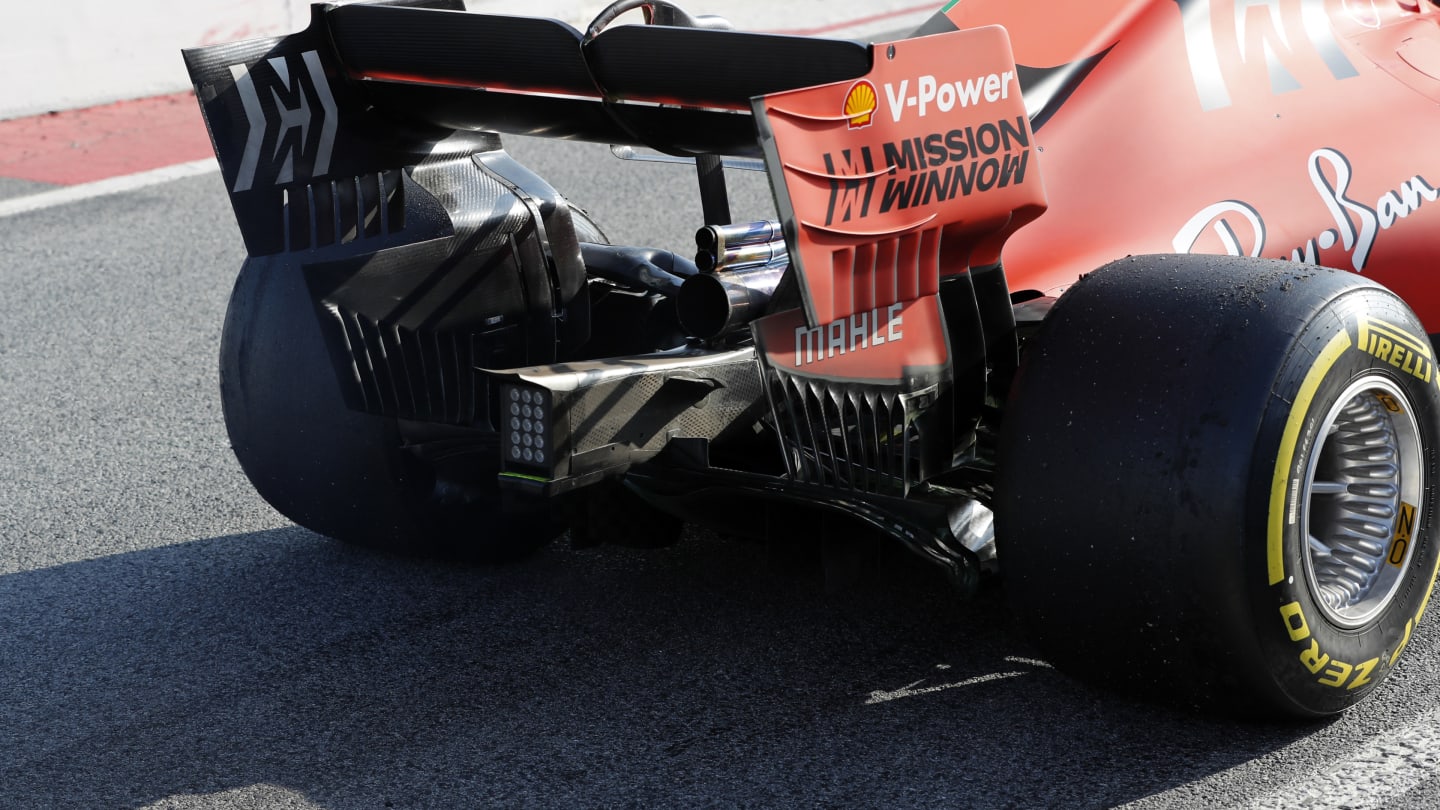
(887, 184)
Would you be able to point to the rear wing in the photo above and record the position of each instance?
(369, 89)
(679, 90)
(926, 147)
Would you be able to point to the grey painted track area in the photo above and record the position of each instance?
(166, 640)
(11, 187)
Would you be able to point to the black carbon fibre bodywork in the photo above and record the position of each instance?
(414, 325)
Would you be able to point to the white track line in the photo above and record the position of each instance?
(1378, 772)
(104, 188)
(1384, 768)
(880, 696)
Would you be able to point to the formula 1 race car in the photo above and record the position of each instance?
(1202, 462)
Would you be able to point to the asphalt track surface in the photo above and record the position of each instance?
(167, 640)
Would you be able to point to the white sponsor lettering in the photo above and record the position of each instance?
(933, 94)
(863, 330)
(1245, 24)
(1241, 229)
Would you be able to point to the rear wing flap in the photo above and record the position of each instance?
(679, 90)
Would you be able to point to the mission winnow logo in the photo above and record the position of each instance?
(925, 169)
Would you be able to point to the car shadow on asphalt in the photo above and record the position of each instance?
(698, 674)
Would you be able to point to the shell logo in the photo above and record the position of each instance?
(860, 104)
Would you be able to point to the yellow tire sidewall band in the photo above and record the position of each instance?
(1285, 455)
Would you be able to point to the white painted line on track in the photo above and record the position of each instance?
(881, 696)
(1376, 774)
(104, 188)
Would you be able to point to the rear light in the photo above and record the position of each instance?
(528, 437)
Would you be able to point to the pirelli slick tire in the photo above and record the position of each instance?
(1217, 483)
(336, 471)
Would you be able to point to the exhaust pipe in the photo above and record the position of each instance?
(735, 246)
(736, 257)
(715, 238)
(740, 266)
(711, 305)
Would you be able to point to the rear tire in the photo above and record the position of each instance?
(1217, 483)
(337, 471)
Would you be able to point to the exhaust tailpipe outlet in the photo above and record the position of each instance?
(736, 257)
(711, 305)
(715, 239)
(731, 247)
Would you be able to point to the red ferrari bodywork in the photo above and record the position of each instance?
(1291, 129)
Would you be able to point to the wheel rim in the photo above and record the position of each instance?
(1364, 480)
